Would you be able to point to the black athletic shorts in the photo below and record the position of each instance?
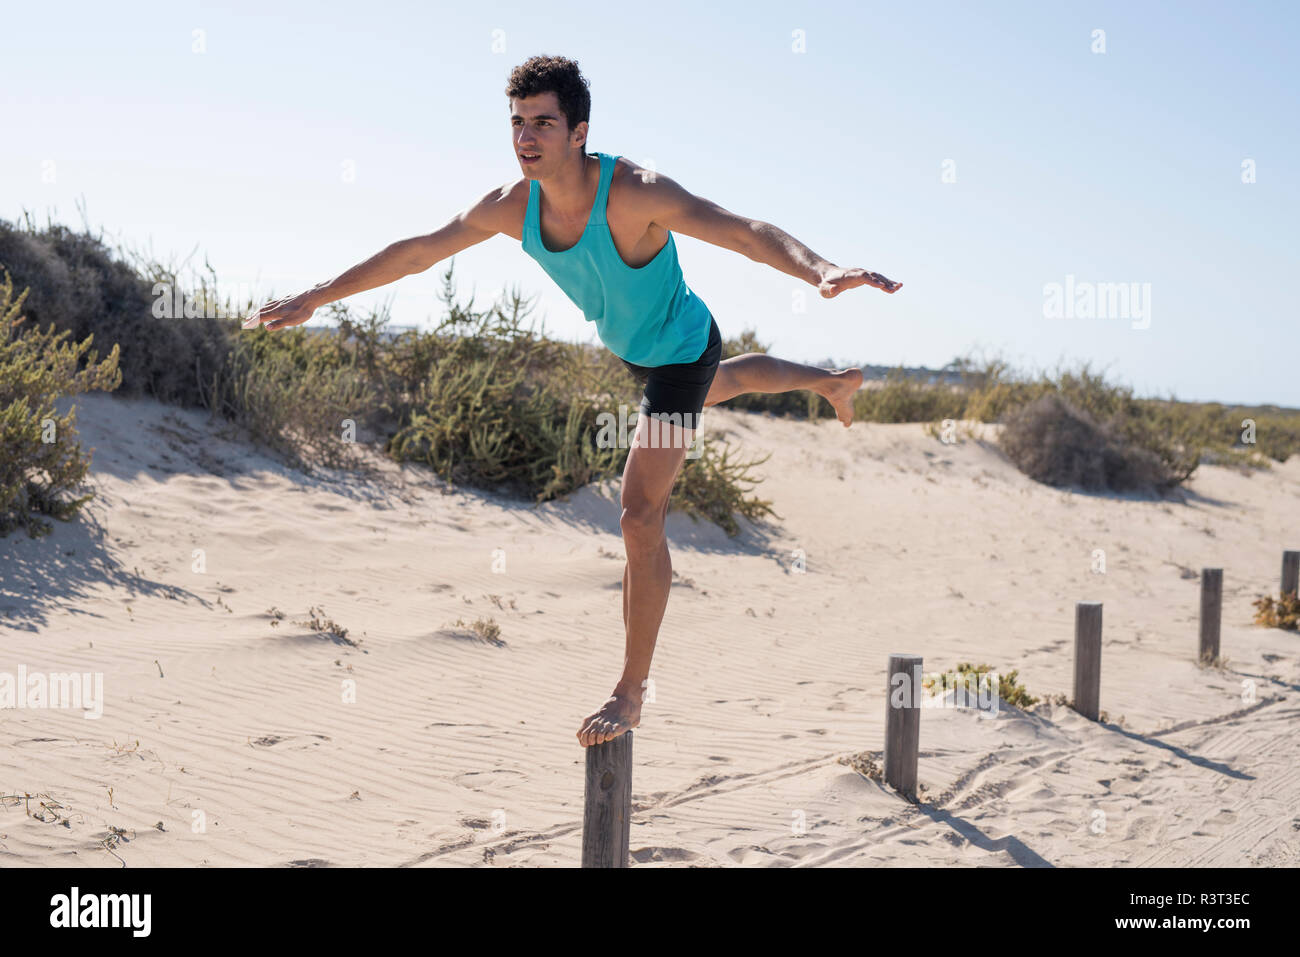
(680, 388)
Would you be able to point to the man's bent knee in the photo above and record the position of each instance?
(643, 525)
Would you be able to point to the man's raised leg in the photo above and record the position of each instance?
(759, 372)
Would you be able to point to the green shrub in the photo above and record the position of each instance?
(1009, 690)
(311, 415)
(473, 427)
(482, 400)
(1222, 433)
(902, 399)
(41, 461)
(994, 402)
(710, 486)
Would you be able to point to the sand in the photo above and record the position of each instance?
(226, 736)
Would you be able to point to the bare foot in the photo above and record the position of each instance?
(620, 712)
(839, 391)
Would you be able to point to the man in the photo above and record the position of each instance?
(601, 226)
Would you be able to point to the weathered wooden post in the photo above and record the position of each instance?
(1211, 612)
(607, 803)
(1290, 571)
(903, 723)
(1087, 658)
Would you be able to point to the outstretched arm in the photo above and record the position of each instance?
(672, 207)
(402, 258)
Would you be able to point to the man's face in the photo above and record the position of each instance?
(538, 125)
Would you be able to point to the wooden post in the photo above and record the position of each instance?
(1290, 572)
(607, 800)
(1211, 612)
(1087, 658)
(902, 723)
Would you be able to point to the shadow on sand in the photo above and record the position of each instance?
(145, 442)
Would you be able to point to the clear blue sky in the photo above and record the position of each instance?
(1115, 167)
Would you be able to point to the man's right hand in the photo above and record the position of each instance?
(289, 311)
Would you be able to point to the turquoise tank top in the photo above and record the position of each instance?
(647, 316)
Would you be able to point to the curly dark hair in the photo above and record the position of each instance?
(558, 75)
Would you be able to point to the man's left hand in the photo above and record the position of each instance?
(835, 281)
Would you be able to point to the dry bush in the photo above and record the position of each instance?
(1282, 613)
(1053, 441)
(80, 286)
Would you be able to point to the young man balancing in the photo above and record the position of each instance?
(601, 226)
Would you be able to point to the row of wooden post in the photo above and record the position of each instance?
(607, 811)
(903, 725)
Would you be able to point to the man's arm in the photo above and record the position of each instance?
(674, 208)
(402, 258)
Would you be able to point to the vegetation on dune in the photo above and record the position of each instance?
(1054, 441)
(485, 400)
(481, 399)
(1067, 427)
(72, 281)
(970, 677)
(42, 463)
(1283, 612)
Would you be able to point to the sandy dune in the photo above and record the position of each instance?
(225, 738)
